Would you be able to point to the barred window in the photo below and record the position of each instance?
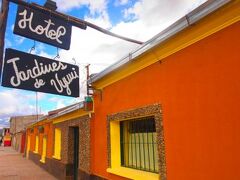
(139, 144)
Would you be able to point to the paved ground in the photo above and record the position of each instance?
(14, 167)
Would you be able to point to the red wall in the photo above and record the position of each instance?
(23, 141)
(199, 89)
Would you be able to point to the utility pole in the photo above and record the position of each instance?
(3, 23)
(87, 69)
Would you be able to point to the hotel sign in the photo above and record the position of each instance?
(35, 73)
(42, 27)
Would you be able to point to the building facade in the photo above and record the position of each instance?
(60, 142)
(6, 137)
(168, 111)
(39, 142)
(18, 126)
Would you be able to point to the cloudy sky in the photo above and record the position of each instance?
(136, 19)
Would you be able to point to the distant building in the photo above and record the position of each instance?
(6, 137)
(18, 125)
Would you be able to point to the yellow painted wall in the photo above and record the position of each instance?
(70, 116)
(116, 158)
(36, 144)
(44, 150)
(57, 144)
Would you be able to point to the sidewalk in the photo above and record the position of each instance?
(14, 167)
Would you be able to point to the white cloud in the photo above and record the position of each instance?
(121, 2)
(62, 102)
(4, 124)
(16, 103)
(8, 43)
(41, 95)
(19, 40)
(93, 47)
(44, 54)
(147, 18)
(133, 12)
(13, 103)
(39, 50)
(12, 27)
(40, 46)
(160, 13)
(95, 6)
(101, 20)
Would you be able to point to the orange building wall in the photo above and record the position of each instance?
(48, 131)
(33, 139)
(40, 144)
(41, 135)
(28, 133)
(199, 90)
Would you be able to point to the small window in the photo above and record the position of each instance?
(139, 144)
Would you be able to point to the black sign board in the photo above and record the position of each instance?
(42, 27)
(36, 73)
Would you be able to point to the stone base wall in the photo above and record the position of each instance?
(53, 166)
(85, 176)
(63, 169)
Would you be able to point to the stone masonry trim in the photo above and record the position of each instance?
(150, 110)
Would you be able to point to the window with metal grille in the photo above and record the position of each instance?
(139, 144)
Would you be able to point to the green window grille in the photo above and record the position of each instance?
(138, 141)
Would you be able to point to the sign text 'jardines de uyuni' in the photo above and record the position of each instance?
(31, 72)
(43, 27)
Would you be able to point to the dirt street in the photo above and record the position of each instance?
(14, 167)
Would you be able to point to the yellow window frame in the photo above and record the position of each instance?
(116, 167)
(44, 150)
(36, 144)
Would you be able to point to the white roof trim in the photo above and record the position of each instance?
(68, 110)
